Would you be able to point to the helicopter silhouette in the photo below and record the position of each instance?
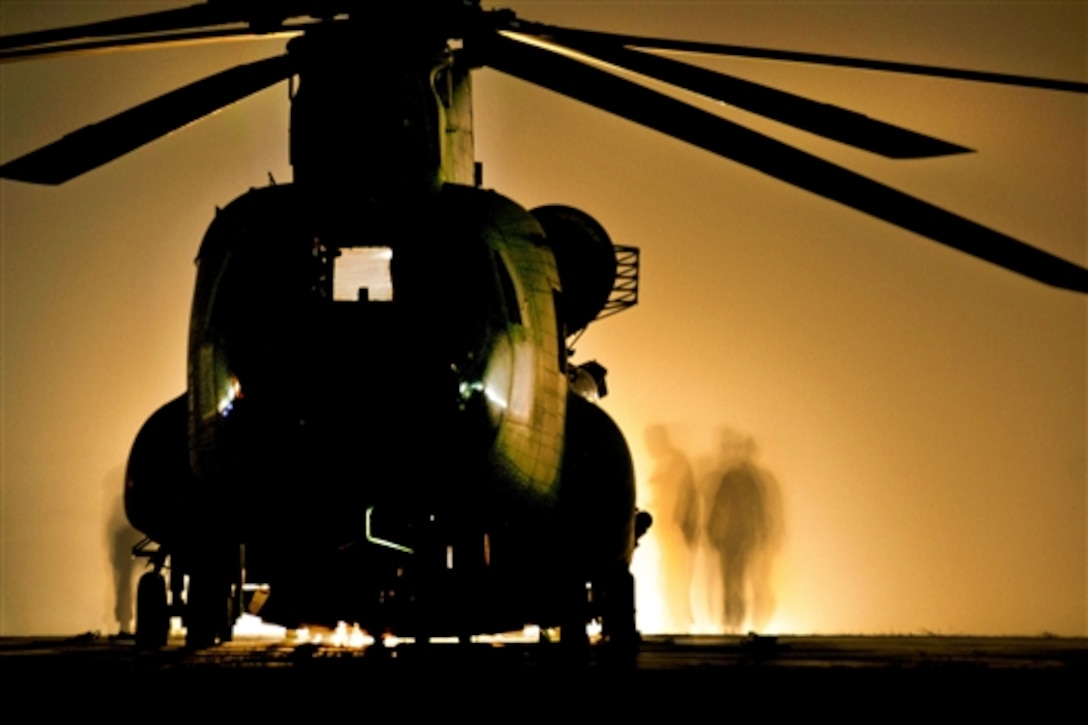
(232, 396)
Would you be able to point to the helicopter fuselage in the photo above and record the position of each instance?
(378, 384)
(396, 385)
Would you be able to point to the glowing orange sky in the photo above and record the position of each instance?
(923, 412)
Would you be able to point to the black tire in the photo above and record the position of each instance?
(618, 608)
(226, 631)
(618, 627)
(152, 614)
(215, 585)
(574, 616)
(209, 612)
(200, 629)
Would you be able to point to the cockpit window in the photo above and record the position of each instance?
(362, 274)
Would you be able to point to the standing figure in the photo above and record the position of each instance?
(676, 525)
(744, 525)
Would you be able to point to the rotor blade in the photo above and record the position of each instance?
(572, 36)
(164, 40)
(717, 135)
(194, 16)
(833, 122)
(261, 18)
(97, 144)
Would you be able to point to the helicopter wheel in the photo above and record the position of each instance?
(226, 629)
(207, 610)
(618, 628)
(573, 639)
(152, 616)
(610, 596)
(211, 609)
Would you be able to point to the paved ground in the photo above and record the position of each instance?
(784, 674)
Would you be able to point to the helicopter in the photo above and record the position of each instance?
(225, 211)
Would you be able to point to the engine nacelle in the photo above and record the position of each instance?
(585, 258)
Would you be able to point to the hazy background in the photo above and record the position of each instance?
(922, 413)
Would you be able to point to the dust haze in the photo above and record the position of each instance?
(920, 415)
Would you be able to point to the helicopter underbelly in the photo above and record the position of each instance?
(492, 570)
(330, 559)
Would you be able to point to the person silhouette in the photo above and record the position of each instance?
(744, 526)
(674, 504)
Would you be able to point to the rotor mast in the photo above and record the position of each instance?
(379, 112)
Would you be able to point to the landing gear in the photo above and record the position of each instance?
(152, 611)
(617, 608)
(577, 612)
(610, 596)
(209, 612)
(212, 603)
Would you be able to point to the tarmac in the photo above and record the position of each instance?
(837, 674)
